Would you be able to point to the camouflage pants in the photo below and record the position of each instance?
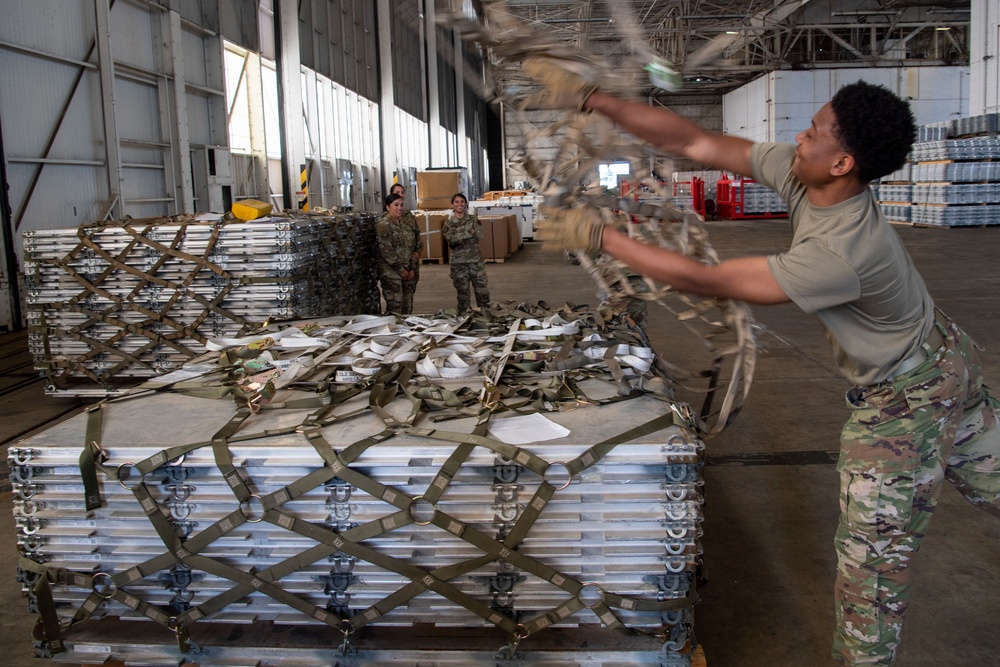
(464, 273)
(904, 438)
(398, 293)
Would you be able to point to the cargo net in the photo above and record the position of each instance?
(559, 156)
(138, 298)
(351, 474)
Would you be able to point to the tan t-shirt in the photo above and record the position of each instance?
(847, 266)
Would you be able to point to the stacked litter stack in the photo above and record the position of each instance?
(141, 297)
(518, 473)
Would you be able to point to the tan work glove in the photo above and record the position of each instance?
(572, 229)
(567, 90)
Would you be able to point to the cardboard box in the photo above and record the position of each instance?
(513, 235)
(494, 244)
(431, 236)
(442, 184)
(435, 204)
(524, 213)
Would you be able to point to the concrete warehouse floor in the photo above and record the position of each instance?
(771, 484)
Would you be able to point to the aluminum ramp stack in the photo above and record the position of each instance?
(156, 523)
(134, 299)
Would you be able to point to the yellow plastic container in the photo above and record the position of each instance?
(251, 209)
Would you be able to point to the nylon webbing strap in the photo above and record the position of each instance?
(511, 452)
(47, 627)
(91, 457)
(601, 449)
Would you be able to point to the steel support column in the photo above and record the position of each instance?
(462, 139)
(180, 138)
(10, 295)
(258, 141)
(312, 122)
(106, 69)
(435, 148)
(387, 101)
(290, 87)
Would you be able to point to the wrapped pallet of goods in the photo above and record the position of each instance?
(521, 482)
(114, 301)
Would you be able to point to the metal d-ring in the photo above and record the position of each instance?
(118, 475)
(177, 461)
(410, 511)
(566, 467)
(247, 503)
(95, 584)
(21, 456)
(586, 584)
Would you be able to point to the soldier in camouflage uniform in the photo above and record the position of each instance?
(920, 411)
(398, 255)
(411, 220)
(463, 232)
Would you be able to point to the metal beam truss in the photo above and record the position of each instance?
(722, 44)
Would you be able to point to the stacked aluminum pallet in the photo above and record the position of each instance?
(335, 504)
(141, 297)
(977, 148)
(758, 199)
(895, 201)
(951, 179)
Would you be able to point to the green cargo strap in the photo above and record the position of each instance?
(601, 449)
(511, 452)
(161, 458)
(91, 457)
(421, 577)
(47, 627)
(224, 458)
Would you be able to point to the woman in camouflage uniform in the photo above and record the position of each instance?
(399, 255)
(411, 220)
(463, 231)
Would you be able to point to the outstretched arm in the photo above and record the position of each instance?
(673, 134)
(747, 279)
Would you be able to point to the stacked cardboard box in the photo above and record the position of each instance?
(501, 237)
(522, 208)
(436, 187)
(431, 237)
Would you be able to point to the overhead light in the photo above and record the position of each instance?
(943, 28)
(593, 19)
(732, 32)
(868, 12)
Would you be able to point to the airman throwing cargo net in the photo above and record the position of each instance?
(541, 83)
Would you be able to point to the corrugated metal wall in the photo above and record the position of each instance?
(87, 136)
(164, 103)
(779, 105)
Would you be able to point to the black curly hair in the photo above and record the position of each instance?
(875, 126)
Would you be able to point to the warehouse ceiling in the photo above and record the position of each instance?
(721, 44)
